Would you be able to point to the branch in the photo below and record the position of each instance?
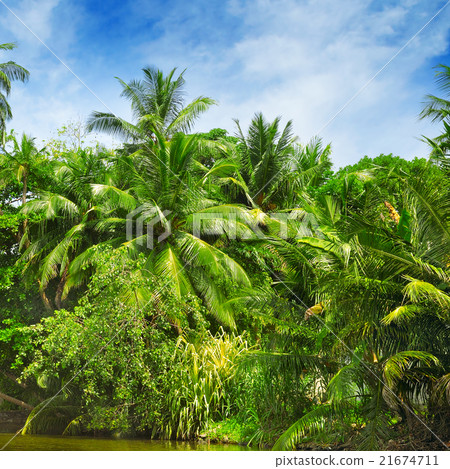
(16, 401)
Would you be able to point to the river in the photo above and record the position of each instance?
(69, 443)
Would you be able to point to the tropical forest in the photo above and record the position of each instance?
(230, 287)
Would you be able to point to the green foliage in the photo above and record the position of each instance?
(381, 171)
(112, 354)
(334, 288)
(9, 229)
(209, 154)
(51, 417)
(233, 430)
(203, 386)
(364, 268)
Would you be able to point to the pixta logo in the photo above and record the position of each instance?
(145, 225)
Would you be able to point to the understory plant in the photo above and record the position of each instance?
(113, 354)
(204, 383)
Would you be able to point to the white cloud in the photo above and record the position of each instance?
(300, 59)
(35, 14)
(305, 60)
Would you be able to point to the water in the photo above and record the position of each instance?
(70, 443)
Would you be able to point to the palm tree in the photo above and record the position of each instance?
(380, 298)
(21, 161)
(306, 167)
(438, 109)
(19, 164)
(9, 71)
(272, 168)
(166, 186)
(162, 208)
(264, 151)
(156, 103)
(67, 221)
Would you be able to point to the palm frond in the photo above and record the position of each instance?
(185, 119)
(311, 423)
(395, 366)
(168, 265)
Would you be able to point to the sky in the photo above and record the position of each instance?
(339, 69)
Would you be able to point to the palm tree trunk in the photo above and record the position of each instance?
(60, 289)
(15, 401)
(47, 303)
(24, 190)
(24, 201)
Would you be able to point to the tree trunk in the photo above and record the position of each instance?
(47, 303)
(16, 401)
(60, 289)
(24, 190)
(24, 201)
(260, 198)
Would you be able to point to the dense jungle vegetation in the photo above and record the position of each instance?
(229, 287)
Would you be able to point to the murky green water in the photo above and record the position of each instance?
(60, 443)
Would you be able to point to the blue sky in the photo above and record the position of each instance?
(299, 59)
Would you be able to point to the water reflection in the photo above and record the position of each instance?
(59, 443)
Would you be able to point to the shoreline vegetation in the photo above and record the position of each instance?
(230, 288)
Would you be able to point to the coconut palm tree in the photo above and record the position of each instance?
(167, 189)
(21, 161)
(9, 71)
(156, 103)
(438, 109)
(67, 221)
(169, 216)
(264, 151)
(19, 164)
(273, 169)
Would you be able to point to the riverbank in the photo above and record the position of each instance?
(12, 421)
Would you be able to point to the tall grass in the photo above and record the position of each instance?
(202, 387)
